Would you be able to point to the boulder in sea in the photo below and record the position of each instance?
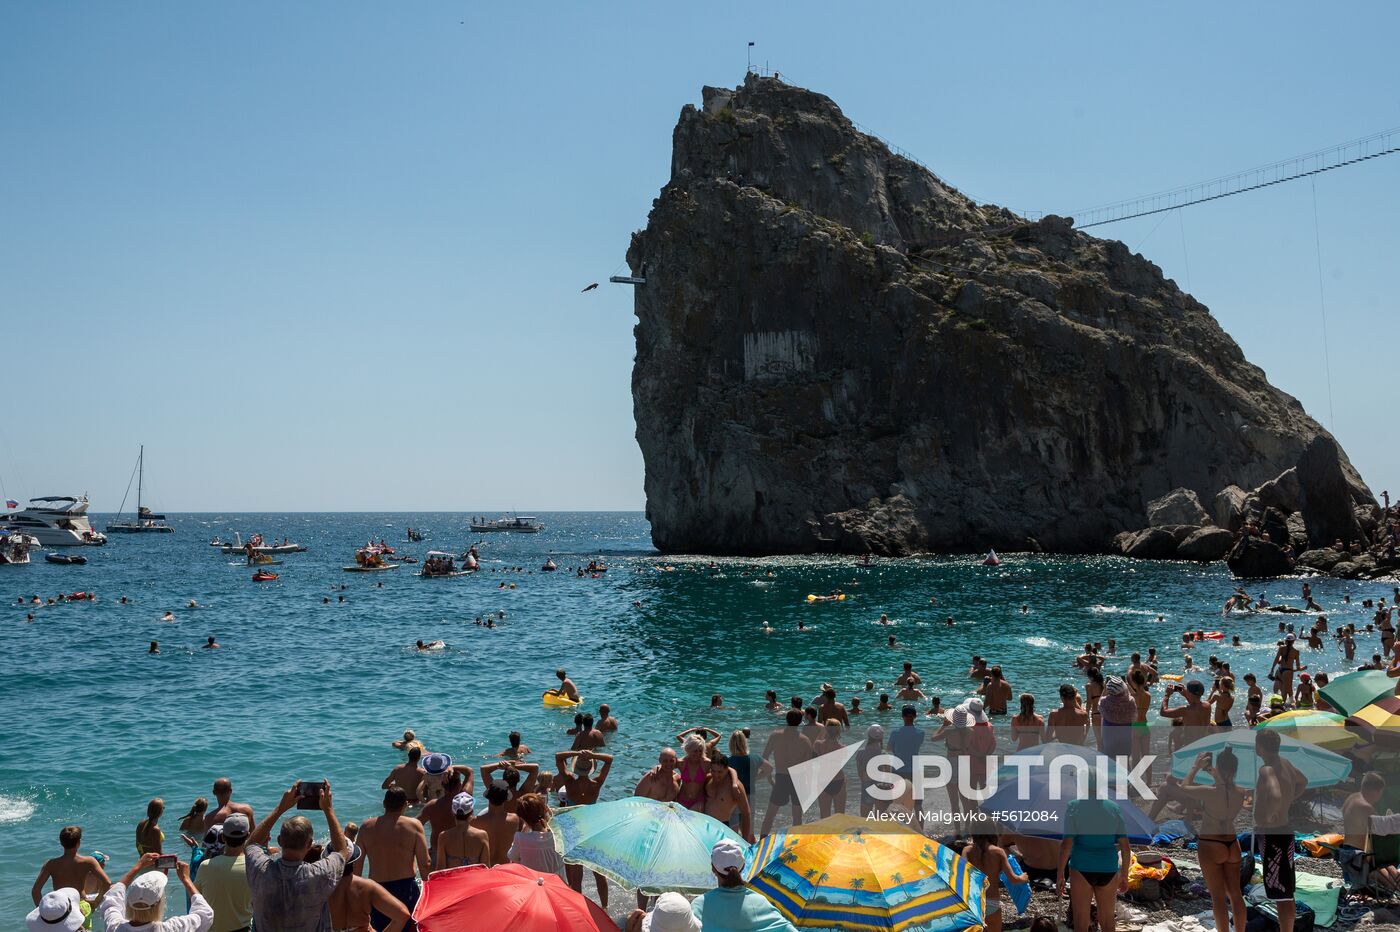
(1321, 559)
(1153, 543)
(1179, 506)
(1206, 544)
(1252, 558)
(1228, 507)
(838, 351)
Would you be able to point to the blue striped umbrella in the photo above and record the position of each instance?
(848, 874)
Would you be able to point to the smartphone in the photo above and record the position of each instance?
(166, 862)
(309, 793)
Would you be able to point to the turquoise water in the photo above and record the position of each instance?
(95, 726)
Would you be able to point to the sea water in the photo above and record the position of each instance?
(94, 726)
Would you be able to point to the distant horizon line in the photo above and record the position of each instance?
(339, 511)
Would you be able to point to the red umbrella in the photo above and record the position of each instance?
(508, 898)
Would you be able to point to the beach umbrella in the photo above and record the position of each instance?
(507, 897)
(642, 843)
(1037, 812)
(847, 874)
(1321, 767)
(1379, 722)
(1351, 693)
(1323, 729)
(1057, 750)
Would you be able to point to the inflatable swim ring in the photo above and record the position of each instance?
(553, 699)
(1174, 677)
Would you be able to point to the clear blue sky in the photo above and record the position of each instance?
(328, 255)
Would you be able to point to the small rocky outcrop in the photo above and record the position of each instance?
(1297, 521)
(838, 351)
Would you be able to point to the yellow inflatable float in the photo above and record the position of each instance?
(558, 701)
(840, 597)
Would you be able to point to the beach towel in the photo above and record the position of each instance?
(1321, 894)
(1020, 893)
(1170, 831)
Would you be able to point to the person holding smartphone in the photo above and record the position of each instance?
(136, 903)
(288, 893)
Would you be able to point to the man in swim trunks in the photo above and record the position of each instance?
(223, 795)
(725, 797)
(661, 782)
(70, 869)
(996, 691)
(499, 824)
(408, 775)
(582, 787)
(1279, 784)
(978, 669)
(909, 693)
(785, 748)
(908, 677)
(355, 898)
(566, 687)
(1070, 722)
(607, 722)
(516, 751)
(394, 845)
(830, 708)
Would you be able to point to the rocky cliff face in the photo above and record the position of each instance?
(836, 351)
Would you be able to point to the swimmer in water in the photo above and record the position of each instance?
(432, 645)
(193, 604)
(168, 616)
(155, 648)
(892, 642)
(1025, 609)
(211, 644)
(884, 619)
(325, 600)
(802, 626)
(767, 628)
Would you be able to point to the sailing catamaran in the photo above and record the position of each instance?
(146, 522)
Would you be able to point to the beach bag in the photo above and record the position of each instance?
(1145, 880)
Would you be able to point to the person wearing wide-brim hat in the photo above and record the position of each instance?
(60, 910)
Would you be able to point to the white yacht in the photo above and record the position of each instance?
(57, 521)
(520, 524)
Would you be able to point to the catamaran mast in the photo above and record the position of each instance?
(140, 475)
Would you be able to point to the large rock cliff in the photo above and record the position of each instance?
(836, 351)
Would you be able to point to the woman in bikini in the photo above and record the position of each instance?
(833, 795)
(693, 768)
(1027, 728)
(1217, 846)
(461, 844)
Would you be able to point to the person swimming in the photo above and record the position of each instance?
(432, 645)
(168, 616)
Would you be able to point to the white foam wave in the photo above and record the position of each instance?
(1119, 610)
(1038, 641)
(14, 809)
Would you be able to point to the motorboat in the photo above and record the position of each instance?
(15, 547)
(57, 521)
(146, 521)
(259, 545)
(416, 536)
(66, 559)
(439, 564)
(520, 524)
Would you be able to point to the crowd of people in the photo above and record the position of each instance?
(439, 814)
